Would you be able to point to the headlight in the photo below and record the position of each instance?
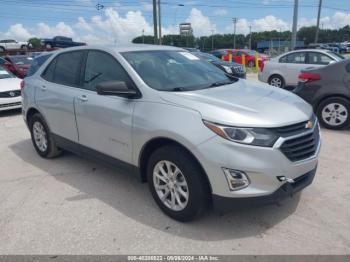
(227, 69)
(251, 136)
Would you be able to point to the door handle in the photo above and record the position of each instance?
(43, 88)
(83, 98)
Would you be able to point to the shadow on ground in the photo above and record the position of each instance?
(12, 112)
(127, 195)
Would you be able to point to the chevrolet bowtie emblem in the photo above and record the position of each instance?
(309, 125)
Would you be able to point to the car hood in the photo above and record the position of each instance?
(8, 84)
(245, 104)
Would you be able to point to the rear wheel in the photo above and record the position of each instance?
(177, 183)
(41, 137)
(334, 113)
(251, 64)
(276, 81)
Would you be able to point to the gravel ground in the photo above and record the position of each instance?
(70, 205)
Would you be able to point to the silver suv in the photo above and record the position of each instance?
(196, 134)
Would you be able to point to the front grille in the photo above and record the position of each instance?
(238, 69)
(10, 104)
(291, 130)
(302, 147)
(9, 94)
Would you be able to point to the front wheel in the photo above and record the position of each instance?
(41, 137)
(177, 183)
(333, 113)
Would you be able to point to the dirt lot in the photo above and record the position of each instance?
(70, 205)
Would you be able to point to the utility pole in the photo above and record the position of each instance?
(159, 23)
(212, 39)
(318, 21)
(155, 27)
(234, 20)
(295, 24)
(143, 36)
(250, 37)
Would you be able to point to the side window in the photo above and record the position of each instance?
(319, 59)
(101, 67)
(49, 71)
(67, 70)
(294, 58)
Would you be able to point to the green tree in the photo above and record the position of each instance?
(35, 42)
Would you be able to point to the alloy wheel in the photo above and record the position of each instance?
(335, 114)
(40, 136)
(277, 82)
(170, 185)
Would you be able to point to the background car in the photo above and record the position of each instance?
(10, 90)
(10, 44)
(324, 46)
(282, 71)
(18, 64)
(327, 89)
(237, 56)
(60, 42)
(231, 68)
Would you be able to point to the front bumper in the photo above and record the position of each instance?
(286, 190)
(10, 103)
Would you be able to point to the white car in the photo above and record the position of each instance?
(283, 70)
(10, 90)
(9, 44)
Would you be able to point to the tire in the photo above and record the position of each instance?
(190, 177)
(334, 113)
(44, 145)
(251, 64)
(276, 81)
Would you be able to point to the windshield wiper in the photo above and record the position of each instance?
(220, 83)
(178, 89)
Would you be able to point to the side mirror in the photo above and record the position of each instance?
(331, 62)
(115, 88)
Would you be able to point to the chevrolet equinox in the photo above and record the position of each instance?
(197, 135)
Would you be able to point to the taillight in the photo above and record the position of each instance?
(309, 77)
(22, 84)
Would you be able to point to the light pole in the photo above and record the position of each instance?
(250, 37)
(155, 27)
(175, 22)
(143, 36)
(212, 39)
(318, 21)
(234, 20)
(295, 24)
(160, 23)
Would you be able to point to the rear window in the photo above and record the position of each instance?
(65, 69)
(37, 63)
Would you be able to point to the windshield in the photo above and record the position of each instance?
(21, 60)
(340, 57)
(175, 70)
(5, 74)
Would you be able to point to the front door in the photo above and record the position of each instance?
(104, 122)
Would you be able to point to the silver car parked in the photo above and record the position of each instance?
(283, 71)
(196, 134)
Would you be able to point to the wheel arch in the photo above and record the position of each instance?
(155, 143)
(323, 98)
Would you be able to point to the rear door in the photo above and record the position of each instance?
(56, 91)
(293, 63)
(317, 59)
(104, 122)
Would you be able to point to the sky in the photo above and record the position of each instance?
(119, 21)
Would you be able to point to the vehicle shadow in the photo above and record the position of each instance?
(127, 195)
(11, 112)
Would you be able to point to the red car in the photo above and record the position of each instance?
(18, 64)
(249, 57)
